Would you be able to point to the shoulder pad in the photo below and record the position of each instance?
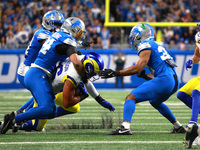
(143, 45)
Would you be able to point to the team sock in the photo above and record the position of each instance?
(177, 124)
(166, 112)
(129, 109)
(195, 106)
(185, 98)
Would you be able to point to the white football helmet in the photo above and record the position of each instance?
(52, 20)
(75, 27)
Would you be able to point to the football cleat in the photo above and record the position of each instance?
(120, 131)
(8, 122)
(196, 141)
(181, 129)
(1, 124)
(191, 134)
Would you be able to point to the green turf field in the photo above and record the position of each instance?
(150, 129)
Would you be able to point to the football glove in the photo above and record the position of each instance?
(87, 43)
(143, 75)
(104, 103)
(83, 91)
(107, 105)
(108, 73)
(188, 64)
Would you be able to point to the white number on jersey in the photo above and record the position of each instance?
(47, 45)
(164, 53)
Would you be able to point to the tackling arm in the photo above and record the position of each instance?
(77, 64)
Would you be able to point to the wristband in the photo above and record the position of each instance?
(99, 99)
(117, 73)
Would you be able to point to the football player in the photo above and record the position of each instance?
(57, 48)
(67, 80)
(156, 90)
(51, 22)
(190, 95)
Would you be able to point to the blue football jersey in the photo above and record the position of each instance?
(156, 63)
(48, 57)
(34, 46)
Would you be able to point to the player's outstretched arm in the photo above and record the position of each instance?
(137, 68)
(93, 92)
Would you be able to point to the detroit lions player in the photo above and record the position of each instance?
(68, 80)
(190, 95)
(51, 22)
(158, 89)
(57, 48)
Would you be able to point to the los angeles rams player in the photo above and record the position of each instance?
(156, 90)
(190, 95)
(68, 80)
(57, 48)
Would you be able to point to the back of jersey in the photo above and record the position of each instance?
(48, 56)
(159, 55)
(35, 46)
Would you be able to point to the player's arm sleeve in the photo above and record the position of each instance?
(65, 49)
(91, 89)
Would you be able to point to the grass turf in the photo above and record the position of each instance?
(150, 129)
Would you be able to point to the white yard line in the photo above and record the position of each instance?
(94, 142)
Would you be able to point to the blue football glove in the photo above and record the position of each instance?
(107, 105)
(82, 88)
(188, 64)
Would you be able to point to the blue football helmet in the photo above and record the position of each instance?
(93, 63)
(52, 20)
(75, 27)
(140, 32)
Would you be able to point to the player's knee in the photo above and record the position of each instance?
(180, 95)
(131, 96)
(195, 93)
(155, 105)
(49, 111)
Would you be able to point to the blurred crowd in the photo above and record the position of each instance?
(19, 19)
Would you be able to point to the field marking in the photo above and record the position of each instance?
(94, 142)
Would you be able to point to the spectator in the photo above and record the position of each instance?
(119, 60)
(95, 36)
(3, 43)
(11, 40)
(115, 39)
(22, 38)
(181, 45)
(105, 37)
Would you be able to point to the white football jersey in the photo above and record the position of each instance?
(197, 40)
(66, 71)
